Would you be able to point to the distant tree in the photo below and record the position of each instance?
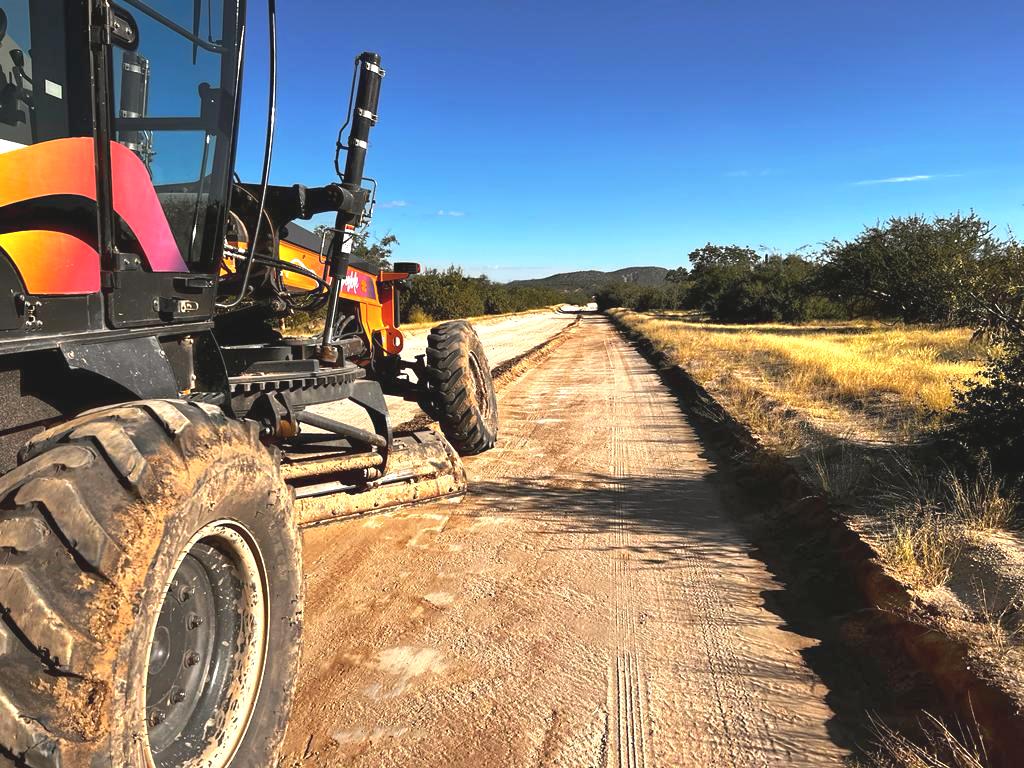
(377, 253)
(719, 274)
(722, 256)
(677, 275)
(995, 297)
(913, 268)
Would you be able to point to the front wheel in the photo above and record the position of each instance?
(160, 572)
(461, 389)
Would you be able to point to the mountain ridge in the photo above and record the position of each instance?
(592, 279)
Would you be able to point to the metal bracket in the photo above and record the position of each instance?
(139, 365)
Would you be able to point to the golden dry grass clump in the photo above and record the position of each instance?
(849, 402)
(866, 364)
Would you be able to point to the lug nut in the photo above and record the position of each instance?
(194, 621)
(178, 696)
(186, 593)
(191, 658)
(157, 717)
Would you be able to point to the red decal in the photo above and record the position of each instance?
(358, 285)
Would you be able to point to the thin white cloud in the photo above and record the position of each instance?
(393, 204)
(905, 179)
(443, 212)
(743, 174)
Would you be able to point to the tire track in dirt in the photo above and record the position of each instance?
(628, 706)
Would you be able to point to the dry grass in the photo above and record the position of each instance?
(923, 540)
(921, 551)
(821, 370)
(418, 317)
(1000, 621)
(942, 747)
(848, 401)
(982, 502)
(839, 470)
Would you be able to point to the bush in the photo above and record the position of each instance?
(449, 294)
(920, 270)
(988, 416)
(735, 284)
(417, 315)
(642, 298)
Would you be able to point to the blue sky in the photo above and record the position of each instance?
(519, 139)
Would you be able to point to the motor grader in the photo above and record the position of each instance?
(161, 437)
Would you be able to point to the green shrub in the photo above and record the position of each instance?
(988, 417)
(449, 294)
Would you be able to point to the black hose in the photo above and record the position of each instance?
(268, 151)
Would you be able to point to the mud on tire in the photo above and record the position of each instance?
(95, 521)
(462, 392)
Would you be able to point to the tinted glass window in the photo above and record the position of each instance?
(171, 98)
(34, 88)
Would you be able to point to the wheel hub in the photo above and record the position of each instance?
(206, 652)
(186, 642)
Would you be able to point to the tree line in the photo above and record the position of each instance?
(449, 293)
(952, 269)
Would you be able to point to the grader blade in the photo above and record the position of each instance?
(421, 467)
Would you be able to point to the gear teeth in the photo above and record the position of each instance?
(30, 613)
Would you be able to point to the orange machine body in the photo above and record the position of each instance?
(375, 295)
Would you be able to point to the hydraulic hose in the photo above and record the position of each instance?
(268, 151)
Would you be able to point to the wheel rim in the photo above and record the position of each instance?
(207, 652)
(479, 384)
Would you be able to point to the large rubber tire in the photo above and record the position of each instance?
(93, 526)
(462, 392)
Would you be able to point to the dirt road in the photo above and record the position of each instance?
(590, 603)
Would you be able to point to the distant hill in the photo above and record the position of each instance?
(590, 280)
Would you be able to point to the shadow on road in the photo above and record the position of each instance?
(689, 520)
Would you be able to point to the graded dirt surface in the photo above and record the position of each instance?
(590, 603)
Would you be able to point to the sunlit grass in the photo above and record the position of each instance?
(877, 367)
(847, 402)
